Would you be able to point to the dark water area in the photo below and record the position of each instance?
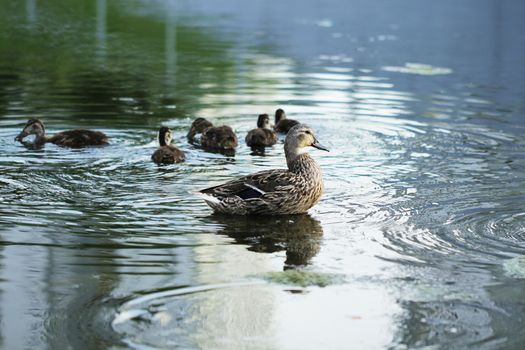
(420, 235)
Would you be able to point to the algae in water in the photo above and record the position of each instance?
(303, 278)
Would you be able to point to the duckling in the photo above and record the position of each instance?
(71, 138)
(197, 127)
(278, 191)
(213, 137)
(263, 136)
(219, 137)
(282, 124)
(167, 153)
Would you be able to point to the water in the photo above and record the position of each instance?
(420, 233)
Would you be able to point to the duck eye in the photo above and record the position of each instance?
(308, 132)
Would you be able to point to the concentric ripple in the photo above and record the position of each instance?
(422, 216)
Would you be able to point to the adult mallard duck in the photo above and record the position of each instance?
(71, 138)
(167, 153)
(212, 137)
(282, 124)
(263, 136)
(274, 192)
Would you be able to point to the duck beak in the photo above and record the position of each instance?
(21, 136)
(317, 145)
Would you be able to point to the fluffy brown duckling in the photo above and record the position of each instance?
(282, 124)
(167, 153)
(212, 137)
(71, 138)
(263, 136)
(197, 127)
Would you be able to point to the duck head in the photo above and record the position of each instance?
(299, 137)
(279, 115)
(32, 127)
(263, 121)
(197, 127)
(165, 136)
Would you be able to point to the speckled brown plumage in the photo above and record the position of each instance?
(197, 127)
(221, 137)
(274, 192)
(167, 153)
(73, 138)
(212, 137)
(263, 136)
(282, 124)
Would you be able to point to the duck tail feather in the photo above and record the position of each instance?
(207, 198)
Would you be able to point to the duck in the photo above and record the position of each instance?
(167, 153)
(277, 191)
(263, 136)
(197, 127)
(72, 138)
(212, 137)
(282, 124)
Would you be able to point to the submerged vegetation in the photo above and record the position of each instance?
(421, 224)
(303, 278)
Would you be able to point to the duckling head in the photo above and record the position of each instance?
(197, 127)
(263, 121)
(32, 127)
(165, 136)
(279, 115)
(298, 138)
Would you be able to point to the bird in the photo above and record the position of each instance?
(277, 191)
(197, 127)
(282, 124)
(167, 153)
(72, 138)
(263, 136)
(212, 137)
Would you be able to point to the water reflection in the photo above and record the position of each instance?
(424, 184)
(170, 47)
(101, 34)
(31, 11)
(226, 285)
(299, 235)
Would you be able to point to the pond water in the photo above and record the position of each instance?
(419, 239)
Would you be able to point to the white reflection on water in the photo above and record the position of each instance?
(31, 11)
(101, 35)
(170, 48)
(420, 210)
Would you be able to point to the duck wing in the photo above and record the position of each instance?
(168, 155)
(256, 137)
(271, 137)
(254, 185)
(285, 125)
(261, 138)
